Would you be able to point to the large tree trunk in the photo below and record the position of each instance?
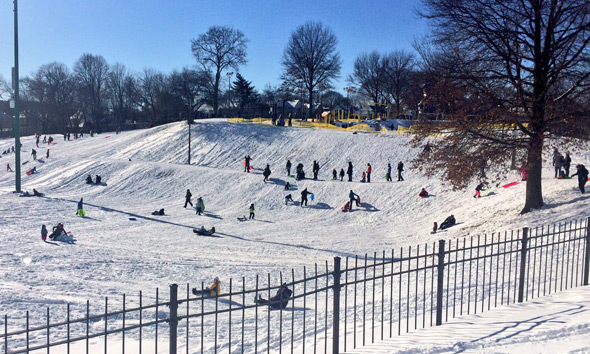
(534, 193)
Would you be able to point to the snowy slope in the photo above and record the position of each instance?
(146, 170)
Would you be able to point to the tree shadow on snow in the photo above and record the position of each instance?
(320, 206)
(212, 215)
(129, 214)
(572, 201)
(277, 181)
(368, 207)
(331, 252)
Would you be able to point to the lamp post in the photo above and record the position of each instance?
(16, 99)
(229, 75)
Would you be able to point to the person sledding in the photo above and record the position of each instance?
(89, 180)
(363, 177)
(211, 291)
(98, 179)
(423, 193)
(279, 301)
(450, 221)
(287, 186)
(57, 231)
(266, 173)
(37, 193)
(203, 231)
(582, 174)
(158, 212)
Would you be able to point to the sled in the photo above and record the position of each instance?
(510, 184)
(81, 213)
(243, 218)
(312, 196)
(41, 160)
(30, 172)
(203, 293)
(26, 162)
(358, 201)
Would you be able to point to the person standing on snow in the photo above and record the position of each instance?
(43, 228)
(388, 176)
(369, 170)
(353, 198)
(247, 163)
(304, 195)
(567, 164)
(34, 153)
(341, 174)
(266, 172)
(315, 170)
(80, 207)
(47, 155)
(288, 167)
(8, 169)
(187, 198)
(349, 171)
(251, 211)
(334, 175)
(582, 174)
(400, 168)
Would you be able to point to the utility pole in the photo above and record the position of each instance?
(16, 101)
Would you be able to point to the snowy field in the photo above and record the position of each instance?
(121, 248)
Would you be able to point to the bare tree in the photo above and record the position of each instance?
(92, 73)
(332, 98)
(218, 49)
(511, 73)
(191, 87)
(5, 88)
(369, 75)
(398, 67)
(151, 85)
(122, 88)
(310, 58)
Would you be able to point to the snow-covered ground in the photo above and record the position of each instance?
(121, 248)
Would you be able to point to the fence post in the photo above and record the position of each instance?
(440, 281)
(587, 260)
(336, 307)
(173, 317)
(523, 251)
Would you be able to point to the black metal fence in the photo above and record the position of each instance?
(354, 302)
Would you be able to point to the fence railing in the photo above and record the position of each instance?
(352, 303)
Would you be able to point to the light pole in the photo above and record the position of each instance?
(229, 75)
(16, 99)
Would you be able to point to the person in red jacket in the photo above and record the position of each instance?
(369, 170)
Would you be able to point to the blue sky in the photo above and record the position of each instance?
(157, 33)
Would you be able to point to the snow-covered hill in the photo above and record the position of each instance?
(121, 247)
